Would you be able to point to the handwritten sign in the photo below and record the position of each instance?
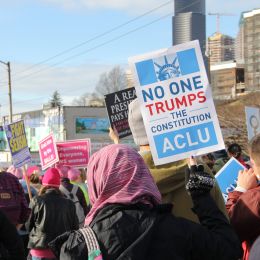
(227, 176)
(16, 136)
(48, 152)
(74, 153)
(117, 108)
(176, 103)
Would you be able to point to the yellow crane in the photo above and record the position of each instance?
(218, 18)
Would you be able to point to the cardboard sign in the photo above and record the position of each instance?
(117, 108)
(176, 103)
(16, 136)
(74, 153)
(252, 121)
(48, 152)
(227, 176)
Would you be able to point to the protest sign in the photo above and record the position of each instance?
(252, 121)
(117, 108)
(74, 153)
(227, 176)
(176, 103)
(16, 136)
(48, 152)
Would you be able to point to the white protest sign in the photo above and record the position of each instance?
(176, 103)
(252, 121)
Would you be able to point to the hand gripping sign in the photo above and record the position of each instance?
(176, 103)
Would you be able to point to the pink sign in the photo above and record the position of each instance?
(74, 153)
(48, 152)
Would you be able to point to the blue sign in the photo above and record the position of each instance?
(227, 176)
(16, 136)
(185, 139)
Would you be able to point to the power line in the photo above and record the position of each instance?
(97, 46)
(79, 54)
(95, 37)
(93, 48)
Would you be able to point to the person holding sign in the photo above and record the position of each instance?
(130, 222)
(243, 203)
(170, 178)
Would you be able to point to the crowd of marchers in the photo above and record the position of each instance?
(123, 206)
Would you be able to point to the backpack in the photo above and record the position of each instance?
(72, 195)
(94, 252)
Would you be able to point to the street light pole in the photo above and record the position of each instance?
(9, 90)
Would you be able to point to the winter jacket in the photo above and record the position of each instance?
(52, 215)
(170, 180)
(244, 212)
(11, 245)
(65, 182)
(137, 232)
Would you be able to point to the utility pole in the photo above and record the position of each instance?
(9, 90)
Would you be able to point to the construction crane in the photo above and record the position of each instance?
(218, 18)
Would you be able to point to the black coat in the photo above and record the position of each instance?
(136, 232)
(51, 216)
(11, 245)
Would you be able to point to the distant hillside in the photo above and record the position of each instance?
(232, 119)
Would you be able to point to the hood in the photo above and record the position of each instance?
(168, 177)
(126, 231)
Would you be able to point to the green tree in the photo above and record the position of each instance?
(56, 100)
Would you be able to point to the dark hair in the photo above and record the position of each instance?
(34, 178)
(235, 150)
(45, 188)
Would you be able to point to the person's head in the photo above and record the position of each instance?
(63, 170)
(220, 154)
(74, 175)
(118, 174)
(51, 179)
(234, 150)
(17, 172)
(33, 173)
(136, 123)
(254, 152)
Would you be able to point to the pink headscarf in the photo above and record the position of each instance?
(118, 174)
(63, 170)
(15, 171)
(73, 174)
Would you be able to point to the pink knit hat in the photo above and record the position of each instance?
(51, 178)
(33, 170)
(73, 174)
(63, 170)
(17, 172)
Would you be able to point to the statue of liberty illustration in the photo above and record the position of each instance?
(168, 70)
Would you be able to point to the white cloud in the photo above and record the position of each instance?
(137, 6)
(71, 82)
(127, 5)
(232, 6)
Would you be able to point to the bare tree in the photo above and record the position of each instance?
(89, 99)
(82, 100)
(112, 81)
